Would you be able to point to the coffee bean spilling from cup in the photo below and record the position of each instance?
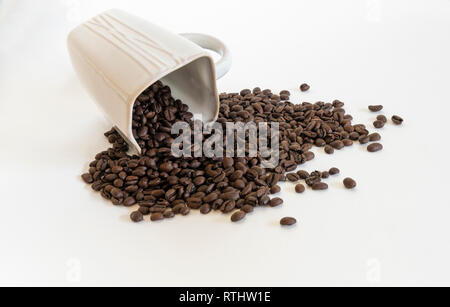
(163, 186)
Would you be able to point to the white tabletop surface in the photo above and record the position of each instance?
(392, 230)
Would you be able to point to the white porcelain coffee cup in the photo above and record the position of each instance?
(117, 56)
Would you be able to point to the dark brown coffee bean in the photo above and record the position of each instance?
(308, 157)
(238, 216)
(205, 209)
(228, 162)
(185, 211)
(347, 142)
(144, 210)
(292, 177)
(168, 214)
(374, 137)
(245, 92)
(337, 144)
(303, 174)
(397, 120)
(129, 201)
(334, 171)
(118, 183)
(382, 118)
(378, 124)
(304, 87)
(177, 208)
(237, 175)
(229, 196)
(364, 140)
(275, 189)
(136, 216)
(376, 108)
(310, 181)
(299, 188)
(199, 180)
(288, 221)
(349, 183)
(87, 178)
(166, 167)
(211, 197)
(247, 209)
(275, 202)
(329, 149)
(374, 147)
(116, 193)
(228, 206)
(320, 142)
(320, 186)
(325, 175)
(158, 216)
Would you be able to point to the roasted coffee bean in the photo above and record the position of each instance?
(129, 201)
(354, 136)
(349, 183)
(288, 221)
(320, 186)
(329, 150)
(144, 210)
(325, 175)
(382, 118)
(334, 171)
(118, 183)
(205, 209)
(185, 211)
(337, 144)
(237, 175)
(229, 196)
(238, 216)
(158, 216)
(397, 120)
(245, 92)
(177, 208)
(376, 108)
(374, 137)
(228, 162)
(378, 124)
(308, 156)
(299, 188)
(304, 87)
(347, 142)
(228, 206)
(168, 214)
(136, 216)
(87, 178)
(211, 197)
(248, 208)
(293, 177)
(166, 167)
(239, 184)
(275, 202)
(303, 174)
(199, 180)
(275, 189)
(364, 140)
(310, 181)
(374, 147)
(116, 193)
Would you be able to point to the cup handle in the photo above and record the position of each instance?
(212, 43)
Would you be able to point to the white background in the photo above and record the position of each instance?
(392, 230)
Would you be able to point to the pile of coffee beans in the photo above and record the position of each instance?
(162, 186)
